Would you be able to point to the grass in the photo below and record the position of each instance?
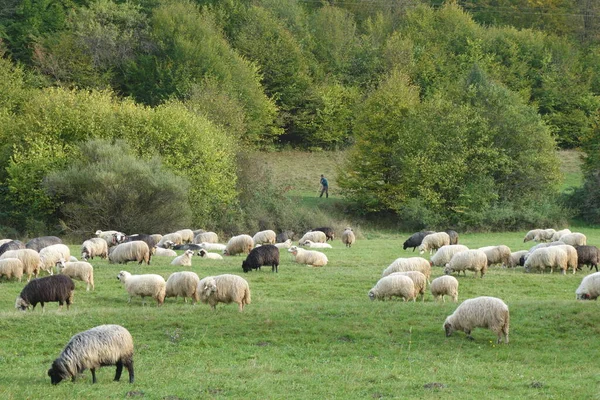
(571, 169)
(313, 333)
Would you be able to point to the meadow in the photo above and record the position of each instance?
(314, 333)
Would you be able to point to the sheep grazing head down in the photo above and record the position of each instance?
(57, 373)
(21, 304)
(448, 328)
(371, 295)
(209, 287)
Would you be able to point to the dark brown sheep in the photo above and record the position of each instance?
(263, 255)
(44, 290)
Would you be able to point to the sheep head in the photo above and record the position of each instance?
(123, 275)
(448, 328)
(21, 304)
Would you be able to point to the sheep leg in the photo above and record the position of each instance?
(119, 370)
(468, 332)
(129, 365)
(93, 370)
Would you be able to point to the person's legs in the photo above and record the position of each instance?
(327, 192)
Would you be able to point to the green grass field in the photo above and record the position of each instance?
(312, 333)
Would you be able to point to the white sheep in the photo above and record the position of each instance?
(30, 259)
(209, 256)
(146, 285)
(312, 245)
(185, 259)
(515, 258)
(52, 255)
(226, 289)
(472, 260)
(348, 237)
(544, 235)
(94, 247)
(558, 234)
(409, 264)
(212, 246)
(184, 284)
(11, 268)
(241, 244)
(174, 237)
(393, 286)
(285, 245)
(589, 289)
(445, 285)
(547, 257)
(497, 255)
(206, 237)
(434, 241)
(315, 236)
(444, 254)
(574, 239)
(264, 237)
(112, 238)
(97, 347)
(531, 235)
(572, 258)
(157, 237)
(187, 235)
(480, 312)
(2, 241)
(137, 250)
(161, 252)
(419, 280)
(308, 257)
(79, 270)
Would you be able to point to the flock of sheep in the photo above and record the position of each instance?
(405, 277)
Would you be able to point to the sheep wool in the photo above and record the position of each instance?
(571, 256)
(130, 251)
(161, 252)
(547, 257)
(264, 237)
(480, 312)
(472, 260)
(53, 255)
(112, 238)
(419, 281)
(185, 259)
(409, 264)
(241, 244)
(80, 270)
(497, 255)
(11, 268)
(574, 239)
(588, 255)
(212, 246)
(39, 243)
(328, 231)
(445, 285)
(187, 235)
(12, 245)
(30, 259)
(314, 236)
(94, 247)
(226, 288)
(170, 237)
(434, 241)
(184, 284)
(45, 290)
(531, 235)
(348, 237)
(308, 257)
(206, 237)
(209, 256)
(146, 285)
(589, 289)
(558, 234)
(444, 254)
(415, 239)
(312, 245)
(515, 258)
(393, 286)
(544, 235)
(285, 245)
(97, 347)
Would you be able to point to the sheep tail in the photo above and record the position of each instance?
(246, 299)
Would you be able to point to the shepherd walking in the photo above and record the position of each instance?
(324, 187)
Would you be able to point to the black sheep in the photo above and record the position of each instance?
(144, 238)
(12, 245)
(588, 255)
(453, 236)
(262, 255)
(44, 290)
(43, 241)
(415, 239)
(283, 236)
(329, 232)
(187, 246)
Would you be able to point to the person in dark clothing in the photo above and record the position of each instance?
(324, 187)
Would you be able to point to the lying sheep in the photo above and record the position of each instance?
(209, 256)
(226, 289)
(39, 243)
(348, 237)
(328, 231)
(170, 237)
(11, 268)
(409, 264)
(284, 236)
(312, 245)
(45, 290)
(206, 237)
(263, 255)
(446, 285)
(80, 270)
(516, 257)
(453, 236)
(95, 247)
(130, 251)
(497, 255)
(212, 246)
(241, 244)
(444, 254)
(393, 286)
(544, 235)
(3, 241)
(416, 239)
(588, 255)
(30, 259)
(548, 257)
(558, 234)
(146, 285)
(314, 236)
(434, 241)
(160, 252)
(11, 245)
(52, 255)
(97, 347)
(589, 289)
(285, 245)
(419, 281)
(480, 312)
(308, 257)
(264, 237)
(574, 239)
(187, 235)
(531, 235)
(471, 260)
(184, 284)
(187, 246)
(112, 238)
(185, 259)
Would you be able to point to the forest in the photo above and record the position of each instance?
(144, 115)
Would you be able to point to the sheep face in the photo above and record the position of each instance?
(56, 373)
(371, 295)
(21, 304)
(201, 252)
(209, 288)
(448, 328)
(123, 275)
(293, 250)
(584, 296)
(189, 253)
(447, 270)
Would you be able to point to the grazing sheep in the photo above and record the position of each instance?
(472, 260)
(571, 256)
(185, 259)
(149, 239)
(284, 236)
(11, 268)
(415, 239)
(53, 255)
(453, 236)
(312, 245)
(445, 285)
(497, 255)
(588, 255)
(210, 256)
(434, 241)
(97, 347)
(480, 312)
(548, 257)
(30, 259)
(226, 289)
(285, 245)
(170, 237)
(160, 252)
(393, 286)
(516, 257)
(39, 243)
(95, 247)
(206, 237)
(45, 290)
(263, 255)
(419, 280)
(444, 254)
(241, 244)
(308, 257)
(187, 235)
(348, 237)
(589, 289)
(544, 235)
(80, 270)
(11, 245)
(212, 246)
(314, 236)
(146, 285)
(184, 284)
(531, 235)
(558, 234)
(112, 238)
(329, 232)
(409, 264)
(130, 251)
(264, 237)
(574, 239)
